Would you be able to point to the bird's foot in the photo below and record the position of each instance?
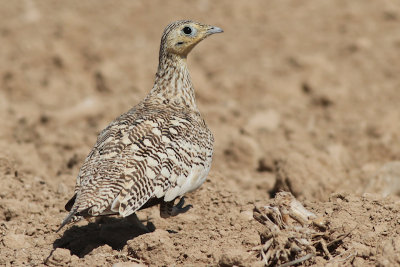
(179, 208)
(167, 209)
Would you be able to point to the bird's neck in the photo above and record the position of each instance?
(173, 82)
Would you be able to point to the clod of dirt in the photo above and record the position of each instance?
(264, 121)
(16, 241)
(57, 61)
(9, 214)
(105, 249)
(101, 84)
(62, 189)
(246, 215)
(128, 264)
(387, 180)
(234, 257)
(242, 151)
(390, 253)
(60, 257)
(151, 247)
(309, 177)
(72, 161)
(322, 101)
(266, 164)
(6, 166)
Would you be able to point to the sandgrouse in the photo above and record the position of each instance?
(157, 151)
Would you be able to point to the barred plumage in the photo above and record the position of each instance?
(157, 151)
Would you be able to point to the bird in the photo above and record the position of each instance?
(157, 151)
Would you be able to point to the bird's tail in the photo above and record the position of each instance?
(71, 218)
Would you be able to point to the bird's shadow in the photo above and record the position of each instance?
(115, 232)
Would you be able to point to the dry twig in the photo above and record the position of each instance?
(289, 237)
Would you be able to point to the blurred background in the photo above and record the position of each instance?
(300, 95)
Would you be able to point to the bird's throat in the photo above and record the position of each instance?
(173, 81)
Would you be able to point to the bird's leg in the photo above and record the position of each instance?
(167, 209)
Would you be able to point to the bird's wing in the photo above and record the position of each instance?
(133, 160)
(171, 150)
(195, 151)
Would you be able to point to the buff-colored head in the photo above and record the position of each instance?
(181, 36)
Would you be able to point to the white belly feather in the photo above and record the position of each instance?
(194, 180)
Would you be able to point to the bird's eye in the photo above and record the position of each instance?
(187, 30)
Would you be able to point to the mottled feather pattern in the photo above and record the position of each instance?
(163, 144)
(161, 148)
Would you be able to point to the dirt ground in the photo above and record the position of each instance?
(301, 96)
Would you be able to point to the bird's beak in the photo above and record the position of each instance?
(213, 29)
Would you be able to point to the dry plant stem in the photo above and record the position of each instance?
(267, 244)
(268, 254)
(134, 259)
(344, 259)
(257, 248)
(318, 235)
(297, 261)
(265, 258)
(325, 249)
(262, 215)
(285, 240)
(340, 238)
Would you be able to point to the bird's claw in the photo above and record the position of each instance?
(179, 208)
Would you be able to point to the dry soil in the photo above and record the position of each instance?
(301, 96)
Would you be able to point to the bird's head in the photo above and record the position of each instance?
(181, 36)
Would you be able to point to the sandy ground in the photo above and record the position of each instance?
(301, 96)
